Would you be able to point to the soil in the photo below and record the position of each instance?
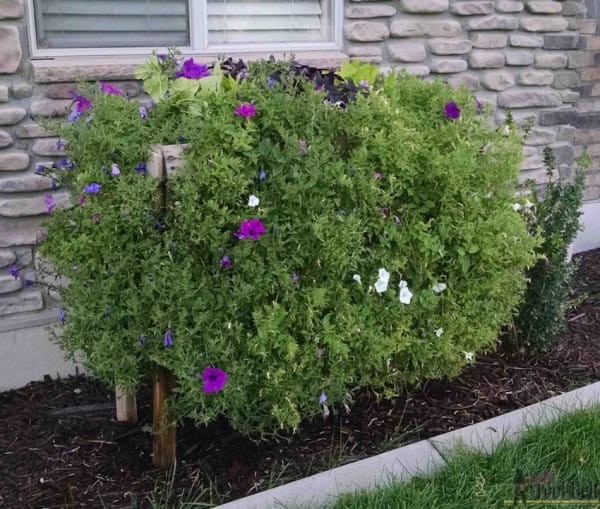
(87, 459)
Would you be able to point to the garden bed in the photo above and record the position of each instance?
(87, 459)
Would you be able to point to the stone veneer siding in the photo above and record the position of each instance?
(537, 58)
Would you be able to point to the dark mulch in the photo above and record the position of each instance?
(88, 460)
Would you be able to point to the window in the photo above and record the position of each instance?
(63, 27)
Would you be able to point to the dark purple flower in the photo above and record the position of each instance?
(385, 212)
(50, 203)
(159, 226)
(161, 56)
(66, 164)
(377, 175)
(96, 218)
(14, 270)
(62, 315)
(59, 144)
(109, 89)
(82, 201)
(251, 229)
(55, 185)
(168, 339)
(141, 168)
(80, 103)
(143, 112)
(40, 169)
(142, 340)
(29, 283)
(192, 70)
(226, 262)
(214, 379)
(180, 139)
(478, 103)
(262, 175)
(93, 188)
(246, 110)
(451, 110)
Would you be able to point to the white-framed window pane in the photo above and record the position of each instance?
(111, 23)
(269, 21)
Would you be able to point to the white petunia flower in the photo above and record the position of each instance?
(469, 356)
(253, 201)
(517, 206)
(439, 287)
(381, 285)
(357, 278)
(405, 294)
(439, 332)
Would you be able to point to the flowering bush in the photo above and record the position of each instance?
(328, 232)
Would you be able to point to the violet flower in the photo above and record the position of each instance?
(192, 70)
(74, 116)
(143, 112)
(322, 398)
(262, 175)
(109, 89)
(303, 146)
(62, 315)
(246, 110)
(50, 203)
(251, 229)
(214, 379)
(451, 110)
(168, 339)
(141, 168)
(59, 144)
(226, 262)
(80, 103)
(93, 188)
(142, 340)
(14, 270)
(82, 201)
(96, 218)
(377, 175)
(115, 170)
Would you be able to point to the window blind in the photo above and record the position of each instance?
(268, 21)
(111, 23)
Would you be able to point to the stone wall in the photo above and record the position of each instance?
(534, 57)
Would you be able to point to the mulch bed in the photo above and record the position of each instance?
(89, 460)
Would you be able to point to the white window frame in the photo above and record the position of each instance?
(198, 39)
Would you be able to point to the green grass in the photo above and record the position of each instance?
(565, 453)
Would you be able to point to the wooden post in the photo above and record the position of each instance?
(126, 405)
(164, 430)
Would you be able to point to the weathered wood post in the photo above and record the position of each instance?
(126, 405)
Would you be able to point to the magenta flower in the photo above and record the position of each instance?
(96, 218)
(193, 71)
(246, 110)
(93, 188)
(214, 379)
(80, 103)
(251, 229)
(451, 110)
(50, 203)
(109, 89)
(226, 262)
(82, 201)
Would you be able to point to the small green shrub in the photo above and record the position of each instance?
(358, 186)
(542, 314)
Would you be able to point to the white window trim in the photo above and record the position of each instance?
(198, 39)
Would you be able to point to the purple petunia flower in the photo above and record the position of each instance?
(214, 379)
(80, 103)
(226, 262)
(66, 164)
(295, 276)
(363, 83)
(74, 116)
(96, 218)
(14, 270)
(271, 81)
(262, 175)
(82, 201)
(62, 315)
(303, 146)
(478, 103)
(168, 339)
(40, 169)
(50, 203)
(251, 229)
(141, 168)
(115, 171)
(60, 144)
(143, 112)
(377, 175)
(93, 188)
(322, 398)
(109, 89)
(142, 340)
(192, 70)
(451, 110)
(246, 110)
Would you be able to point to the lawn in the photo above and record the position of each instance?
(557, 462)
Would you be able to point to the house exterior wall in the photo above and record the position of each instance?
(536, 58)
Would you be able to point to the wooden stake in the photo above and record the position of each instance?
(126, 405)
(164, 429)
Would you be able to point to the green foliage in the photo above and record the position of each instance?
(541, 316)
(387, 182)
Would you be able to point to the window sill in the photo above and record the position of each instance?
(66, 69)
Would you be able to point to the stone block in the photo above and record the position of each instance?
(415, 69)
(47, 147)
(50, 107)
(19, 232)
(540, 136)
(447, 66)
(32, 130)
(529, 98)
(425, 28)
(421, 7)
(10, 49)
(5, 139)
(489, 40)
(561, 41)
(467, 80)
(518, 58)
(11, 9)
(14, 161)
(34, 206)
(22, 89)
(444, 46)
(550, 60)
(509, 6)
(539, 176)
(10, 115)
(8, 284)
(543, 7)
(573, 8)
(366, 53)
(537, 78)
(526, 41)
(587, 136)
(556, 117)
(543, 24)
(486, 59)
(7, 257)
(480, 8)
(566, 79)
(563, 153)
(495, 22)
(577, 60)
(26, 184)
(498, 80)
(406, 51)
(566, 133)
(366, 31)
(3, 94)
(370, 11)
(22, 302)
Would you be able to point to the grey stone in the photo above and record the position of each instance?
(370, 11)
(486, 59)
(11, 9)
(489, 41)
(540, 136)
(577, 60)
(467, 80)
(566, 79)
(472, 8)
(3, 94)
(447, 66)
(561, 41)
(534, 158)
(421, 7)
(563, 153)
(21, 303)
(24, 255)
(566, 116)
(19, 232)
(494, 22)
(366, 31)
(366, 53)
(569, 96)
(539, 176)
(425, 28)
(573, 8)
(528, 98)
(449, 46)
(22, 89)
(415, 69)
(14, 161)
(5, 139)
(8, 284)
(32, 130)
(539, 78)
(10, 49)
(407, 51)
(50, 107)
(7, 257)
(544, 24)
(566, 133)
(543, 7)
(29, 183)
(498, 80)
(10, 115)
(550, 60)
(34, 206)
(509, 6)
(47, 147)
(518, 58)
(526, 41)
